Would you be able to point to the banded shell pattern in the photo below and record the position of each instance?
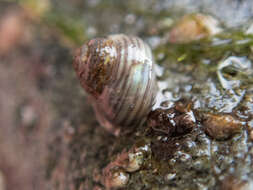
(118, 74)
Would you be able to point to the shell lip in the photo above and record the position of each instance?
(78, 64)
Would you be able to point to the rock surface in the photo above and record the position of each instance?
(49, 136)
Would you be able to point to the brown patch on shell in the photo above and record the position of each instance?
(95, 76)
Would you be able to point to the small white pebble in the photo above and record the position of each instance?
(170, 176)
(119, 179)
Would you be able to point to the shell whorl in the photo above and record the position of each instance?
(118, 73)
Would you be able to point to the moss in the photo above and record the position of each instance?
(212, 49)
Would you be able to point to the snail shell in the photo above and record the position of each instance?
(118, 74)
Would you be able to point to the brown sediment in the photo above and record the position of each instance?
(221, 126)
(176, 121)
(234, 183)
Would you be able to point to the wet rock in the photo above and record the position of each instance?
(130, 161)
(221, 126)
(231, 70)
(115, 178)
(233, 183)
(175, 121)
(116, 174)
(251, 135)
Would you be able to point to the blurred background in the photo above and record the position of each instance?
(49, 137)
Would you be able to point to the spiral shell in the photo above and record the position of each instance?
(118, 74)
